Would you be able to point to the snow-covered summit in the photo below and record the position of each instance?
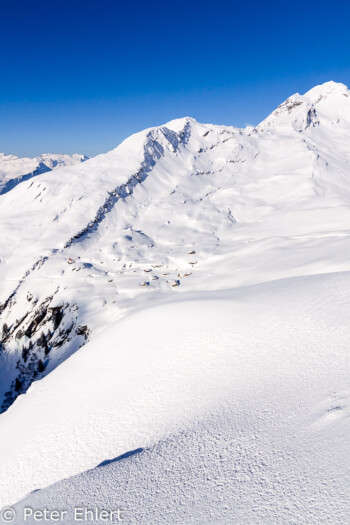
(327, 89)
(227, 400)
(181, 207)
(322, 103)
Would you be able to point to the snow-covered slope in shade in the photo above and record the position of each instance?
(240, 401)
(185, 207)
(14, 170)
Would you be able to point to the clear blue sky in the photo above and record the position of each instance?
(81, 75)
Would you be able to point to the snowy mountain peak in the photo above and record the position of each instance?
(326, 89)
(222, 396)
(180, 207)
(3, 156)
(55, 161)
(180, 124)
(325, 104)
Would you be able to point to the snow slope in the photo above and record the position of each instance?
(236, 405)
(14, 170)
(184, 207)
(208, 266)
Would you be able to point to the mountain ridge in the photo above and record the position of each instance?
(180, 207)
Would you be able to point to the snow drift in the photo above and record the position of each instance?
(236, 405)
(208, 266)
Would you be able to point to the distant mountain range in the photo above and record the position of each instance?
(14, 170)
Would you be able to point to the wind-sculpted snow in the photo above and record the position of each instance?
(185, 207)
(218, 408)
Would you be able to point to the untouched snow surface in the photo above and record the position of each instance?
(240, 401)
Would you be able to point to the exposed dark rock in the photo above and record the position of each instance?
(5, 332)
(63, 336)
(57, 316)
(35, 323)
(25, 352)
(311, 118)
(41, 366)
(83, 330)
